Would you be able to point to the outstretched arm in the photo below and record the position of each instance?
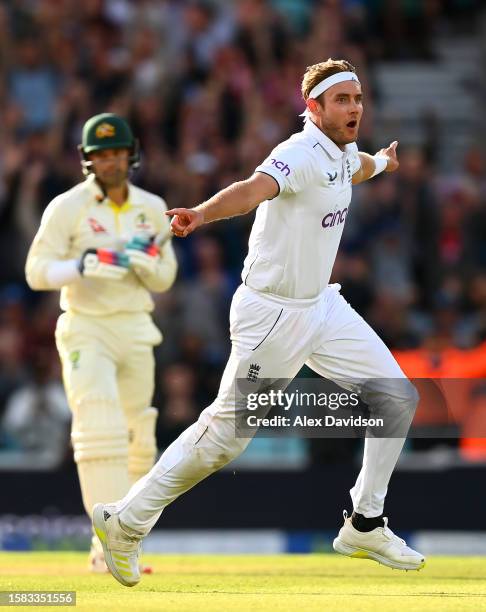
(385, 160)
(237, 199)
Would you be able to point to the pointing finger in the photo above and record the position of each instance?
(176, 211)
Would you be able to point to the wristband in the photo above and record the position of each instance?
(60, 273)
(381, 163)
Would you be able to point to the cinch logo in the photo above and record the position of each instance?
(281, 166)
(335, 218)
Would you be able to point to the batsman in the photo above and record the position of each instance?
(105, 243)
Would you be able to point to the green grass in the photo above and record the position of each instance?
(254, 583)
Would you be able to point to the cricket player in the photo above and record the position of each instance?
(104, 244)
(285, 315)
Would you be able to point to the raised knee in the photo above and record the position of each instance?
(406, 398)
(410, 396)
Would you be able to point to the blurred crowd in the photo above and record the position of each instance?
(209, 88)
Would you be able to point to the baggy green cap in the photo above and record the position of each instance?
(106, 131)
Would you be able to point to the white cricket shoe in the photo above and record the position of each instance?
(97, 565)
(380, 544)
(120, 549)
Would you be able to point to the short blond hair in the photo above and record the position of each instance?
(318, 72)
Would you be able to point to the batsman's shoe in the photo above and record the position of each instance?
(121, 550)
(97, 563)
(380, 544)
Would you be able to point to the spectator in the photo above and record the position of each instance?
(178, 395)
(33, 87)
(37, 417)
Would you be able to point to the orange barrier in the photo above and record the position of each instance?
(450, 392)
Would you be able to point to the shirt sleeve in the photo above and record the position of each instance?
(353, 157)
(292, 165)
(51, 243)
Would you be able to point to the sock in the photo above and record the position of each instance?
(361, 523)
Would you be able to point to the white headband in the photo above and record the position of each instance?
(321, 87)
(339, 77)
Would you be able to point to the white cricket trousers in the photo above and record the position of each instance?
(281, 335)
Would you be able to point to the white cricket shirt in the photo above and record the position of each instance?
(295, 236)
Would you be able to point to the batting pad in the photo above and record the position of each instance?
(100, 442)
(142, 443)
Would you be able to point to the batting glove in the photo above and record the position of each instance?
(104, 264)
(144, 255)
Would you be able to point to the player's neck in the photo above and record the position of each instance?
(318, 125)
(118, 195)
